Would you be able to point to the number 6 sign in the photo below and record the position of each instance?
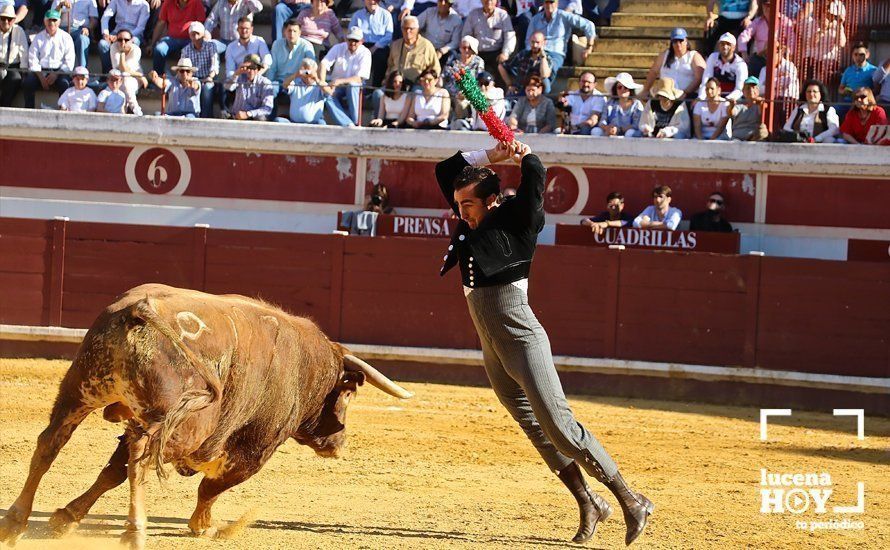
(158, 170)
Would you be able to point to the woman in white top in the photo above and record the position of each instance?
(709, 117)
(394, 107)
(431, 106)
(126, 56)
(813, 118)
(683, 65)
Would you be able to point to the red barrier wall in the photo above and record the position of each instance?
(774, 313)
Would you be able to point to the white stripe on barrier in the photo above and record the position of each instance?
(563, 363)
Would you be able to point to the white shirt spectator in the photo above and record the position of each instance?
(582, 108)
(809, 119)
(671, 219)
(82, 9)
(495, 97)
(787, 82)
(18, 46)
(132, 64)
(715, 67)
(118, 101)
(236, 53)
(130, 15)
(78, 101)
(710, 120)
(339, 63)
(51, 52)
(443, 33)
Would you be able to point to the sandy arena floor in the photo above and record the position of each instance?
(449, 469)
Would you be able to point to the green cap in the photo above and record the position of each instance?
(52, 14)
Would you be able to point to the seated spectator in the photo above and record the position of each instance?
(412, 54)
(246, 45)
(129, 15)
(203, 56)
(78, 98)
(113, 99)
(13, 52)
(349, 64)
(126, 57)
(684, 65)
(812, 120)
(378, 201)
(284, 10)
(430, 106)
(621, 116)
(520, 12)
(534, 61)
(81, 20)
(50, 58)
(376, 25)
(881, 79)
(584, 106)
(735, 16)
(492, 27)
(183, 92)
(824, 37)
(864, 114)
(223, 18)
(714, 218)
(709, 117)
(288, 52)
(786, 82)
(495, 97)
(19, 10)
(171, 32)
(442, 26)
(557, 26)
(464, 7)
(661, 215)
(754, 40)
(534, 113)
(254, 93)
(467, 60)
(320, 26)
(727, 67)
(309, 96)
(858, 75)
(394, 108)
(613, 216)
(665, 114)
(746, 115)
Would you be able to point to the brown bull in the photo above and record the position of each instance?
(211, 384)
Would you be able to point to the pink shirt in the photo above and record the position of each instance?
(317, 29)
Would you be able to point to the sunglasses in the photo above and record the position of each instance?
(718, 202)
(862, 96)
(7, 18)
(124, 39)
(184, 71)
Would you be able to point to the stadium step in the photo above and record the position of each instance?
(620, 60)
(663, 33)
(659, 20)
(662, 6)
(636, 45)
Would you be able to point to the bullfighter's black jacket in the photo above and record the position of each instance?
(500, 250)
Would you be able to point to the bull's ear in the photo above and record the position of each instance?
(354, 377)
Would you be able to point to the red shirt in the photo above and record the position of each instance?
(853, 124)
(178, 18)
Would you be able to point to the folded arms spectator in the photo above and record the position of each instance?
(412, 54)
(320, 26)
(661, 215)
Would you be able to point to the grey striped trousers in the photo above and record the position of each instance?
(519, 365)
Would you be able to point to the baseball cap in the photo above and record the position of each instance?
(752, 80)
(196, 26)
(52, 14)
(81, 71)
(484, 78)
(355, 33)
(727, 37)
(678, 34)
(115, 72)
(254, 59)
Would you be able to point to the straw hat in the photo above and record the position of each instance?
(665, 87)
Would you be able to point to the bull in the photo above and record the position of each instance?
(210, 384)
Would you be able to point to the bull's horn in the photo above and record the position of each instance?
(377, 378)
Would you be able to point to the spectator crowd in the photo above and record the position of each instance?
(401, 58)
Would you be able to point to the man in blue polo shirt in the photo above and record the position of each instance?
(557, 26)
(857, 75)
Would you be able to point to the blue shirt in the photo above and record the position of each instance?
(286, 62)
(376, 26)
(181, 99)
(306, 103)
(559, 29)
(857, 77)
(734, 9)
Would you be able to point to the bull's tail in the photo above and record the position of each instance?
(190, 401)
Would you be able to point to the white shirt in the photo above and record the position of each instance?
(582, 109)
(75, 100)
(132, 60)
(710, 120)
(82, 9)
(345, 64)
(671, 219)
(495, 97)
(18, 48)
(809, 120)
(715, 66)
(51, 52)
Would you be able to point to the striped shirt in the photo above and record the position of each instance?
(226, 14)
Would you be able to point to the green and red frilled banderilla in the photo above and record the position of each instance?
(469, 86)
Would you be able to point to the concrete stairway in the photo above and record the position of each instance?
(640, 31)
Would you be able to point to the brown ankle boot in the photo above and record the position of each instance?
(591, 506)
(635, 506)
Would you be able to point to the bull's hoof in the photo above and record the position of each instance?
(12, 527)
(133, 538)
(62, 522)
